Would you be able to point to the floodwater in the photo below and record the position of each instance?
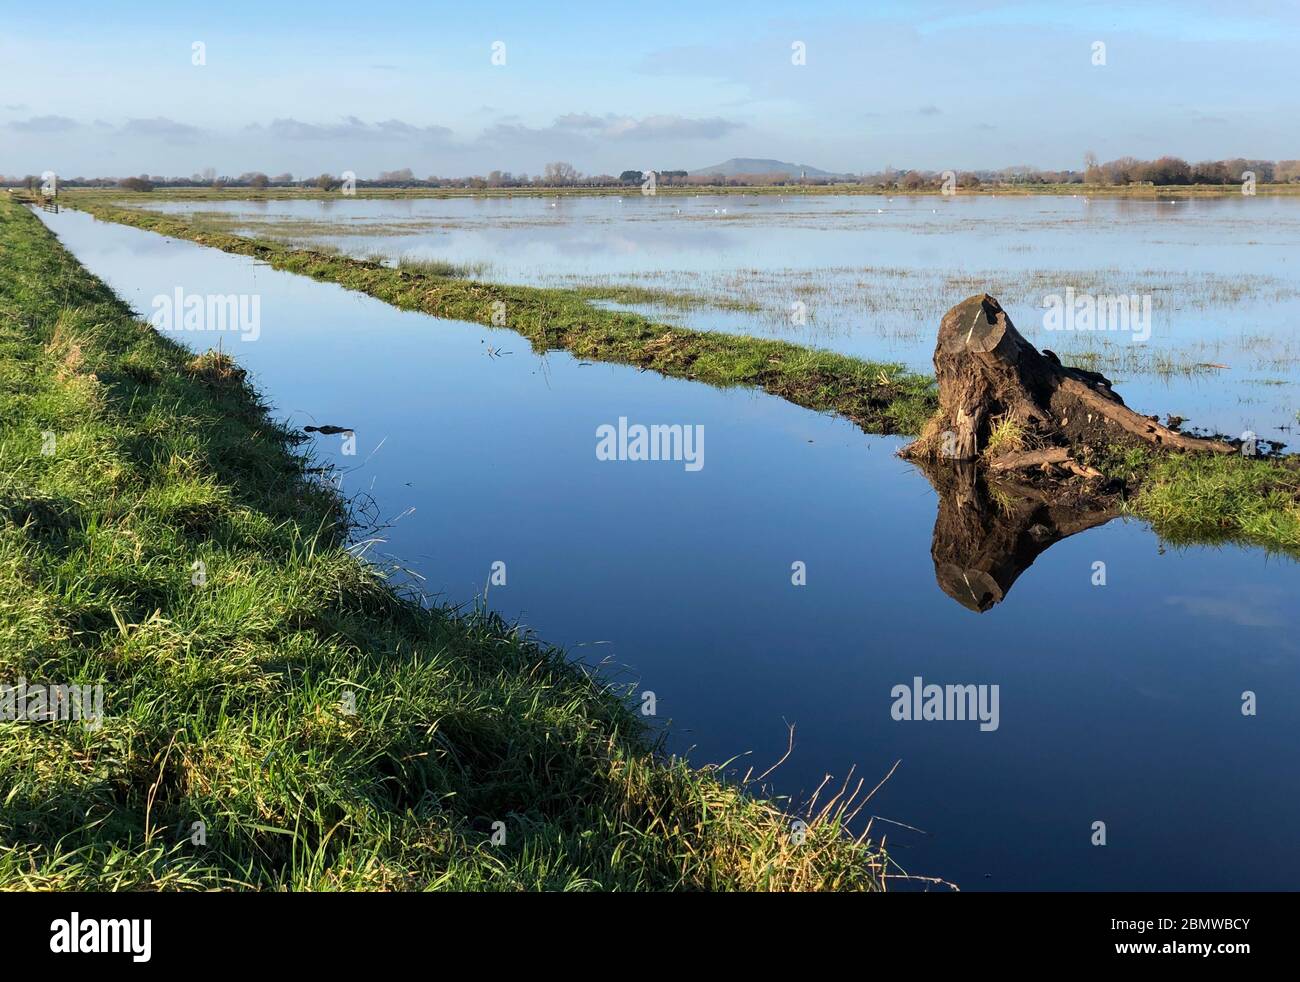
(872, 275)
(1119, 703)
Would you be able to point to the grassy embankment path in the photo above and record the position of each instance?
(1186, 498)
(124, 462)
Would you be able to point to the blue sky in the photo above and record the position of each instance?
(110, 89)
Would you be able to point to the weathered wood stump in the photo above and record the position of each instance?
(989, 374)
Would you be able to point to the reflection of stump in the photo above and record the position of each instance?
(988, 372)
(989, 532)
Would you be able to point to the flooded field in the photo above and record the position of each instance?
(872, 275)
(795, 578)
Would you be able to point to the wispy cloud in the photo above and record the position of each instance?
(350, 128)
(45, 124)
(658, 127)
(161, 128)
(1244, 608)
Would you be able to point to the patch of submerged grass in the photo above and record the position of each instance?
(1131, 361)
(631, 294)
(226, 695)
(440, 267)
(879, 397)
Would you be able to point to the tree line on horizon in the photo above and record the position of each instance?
(1123, 171)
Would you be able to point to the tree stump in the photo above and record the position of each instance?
(988, 373)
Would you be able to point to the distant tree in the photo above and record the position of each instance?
(1210, 172)
(560, 172)
(631, 177)
(403, 176)
(327, 182)
(259, 181)
(1263, 169)
(1166, 170)
(282, 179)
(135, 184)
(1092, 173)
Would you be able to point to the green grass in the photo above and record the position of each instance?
(879, 397)
(226, 700)
(1007, 436)
(1200, 498)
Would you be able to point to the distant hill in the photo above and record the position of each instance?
(759, 165)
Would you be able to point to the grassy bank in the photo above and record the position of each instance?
(879, 397)
(1186, 499)
(1195, 498)
(328, 733)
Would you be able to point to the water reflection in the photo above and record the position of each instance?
(990, 530)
